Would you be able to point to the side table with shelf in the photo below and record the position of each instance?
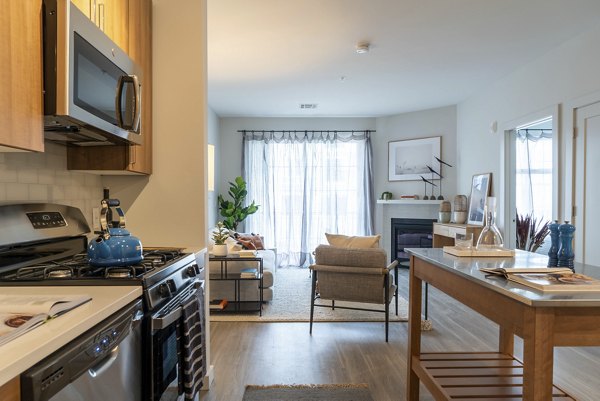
(237, 304)
(444, 233)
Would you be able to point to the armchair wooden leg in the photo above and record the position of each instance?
(312, 299)
(333, 304)
(387, 307)
(396, 282)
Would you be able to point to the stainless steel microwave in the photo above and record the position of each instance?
(92, 89)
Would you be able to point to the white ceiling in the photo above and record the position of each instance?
(266, 57)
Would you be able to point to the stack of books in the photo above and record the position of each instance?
(248, 273)
(548, 278)
(218, 304)
(248, 253)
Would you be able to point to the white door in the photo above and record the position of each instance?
(587, 184)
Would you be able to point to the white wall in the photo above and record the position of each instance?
(43, 177)
(169, 207)
(569, 71)
(214, 139)
(419, 124)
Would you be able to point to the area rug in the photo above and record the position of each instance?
(311, 392)
(291, 303)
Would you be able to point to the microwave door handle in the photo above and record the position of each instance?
(132, 79)
(138, 104)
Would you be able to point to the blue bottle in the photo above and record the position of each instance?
(553, 252)
(566, 256)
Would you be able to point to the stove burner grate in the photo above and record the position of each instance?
(77, 267)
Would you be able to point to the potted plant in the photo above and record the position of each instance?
(234, 210)
(220, 235)
(531, 233)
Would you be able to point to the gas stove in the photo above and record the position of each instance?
(43, 244)
(46, 244)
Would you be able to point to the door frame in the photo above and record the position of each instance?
(573, 206)
(507, 160)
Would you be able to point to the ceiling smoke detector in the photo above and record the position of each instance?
(363, 47)
(308, 105)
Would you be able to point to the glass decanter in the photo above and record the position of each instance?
(490, 237)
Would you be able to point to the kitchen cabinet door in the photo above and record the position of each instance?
(140, 50)
(111, 16)
(21, 103)
(113, 19)
(121, 159)
(11, 391)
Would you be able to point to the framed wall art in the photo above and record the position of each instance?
(480, 190)
(408, 159)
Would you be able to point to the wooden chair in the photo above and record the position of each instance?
(353, 275)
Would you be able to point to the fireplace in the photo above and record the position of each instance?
(410, 233)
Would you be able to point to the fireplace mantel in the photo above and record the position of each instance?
(408, 202)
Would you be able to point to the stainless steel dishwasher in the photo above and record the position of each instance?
(102, 364)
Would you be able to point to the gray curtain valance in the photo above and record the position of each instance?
(304, 136)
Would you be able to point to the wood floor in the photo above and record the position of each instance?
(284, 353)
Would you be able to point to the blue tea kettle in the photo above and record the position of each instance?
(115, 246)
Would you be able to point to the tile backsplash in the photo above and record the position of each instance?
(28, 177)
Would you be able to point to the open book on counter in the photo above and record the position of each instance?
(547, 278)
(21, 313)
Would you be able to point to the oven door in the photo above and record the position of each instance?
(165, 329)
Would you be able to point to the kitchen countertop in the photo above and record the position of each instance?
(468, 267)
(26, 350)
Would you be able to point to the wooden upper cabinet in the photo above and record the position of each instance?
(112, 16)
(21, 105)
(11, 391)
(124, 159)
(140, 50)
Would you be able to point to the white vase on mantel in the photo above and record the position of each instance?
(220, 250)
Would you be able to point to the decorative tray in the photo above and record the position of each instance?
(474, 253)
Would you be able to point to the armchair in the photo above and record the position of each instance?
(354, 275)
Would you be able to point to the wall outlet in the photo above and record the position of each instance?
(96, 218)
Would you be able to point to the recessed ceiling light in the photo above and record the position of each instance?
(363, 47)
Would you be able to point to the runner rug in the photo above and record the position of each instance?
(311, 392)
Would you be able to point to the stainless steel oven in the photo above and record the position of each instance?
(102, 364)
(45, 245)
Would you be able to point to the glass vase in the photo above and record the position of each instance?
(490, 237)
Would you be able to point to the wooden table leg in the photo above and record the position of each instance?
(414, 332)
(538, 354)
(506, 341)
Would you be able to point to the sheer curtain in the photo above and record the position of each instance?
(534, 173)
(307, 184)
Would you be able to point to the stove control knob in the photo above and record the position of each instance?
(164, 291)
(192, 271)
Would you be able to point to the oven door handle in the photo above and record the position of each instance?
(103, 365)
(159, 323)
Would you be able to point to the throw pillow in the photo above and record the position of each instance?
(345, 241)
(252, 241)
